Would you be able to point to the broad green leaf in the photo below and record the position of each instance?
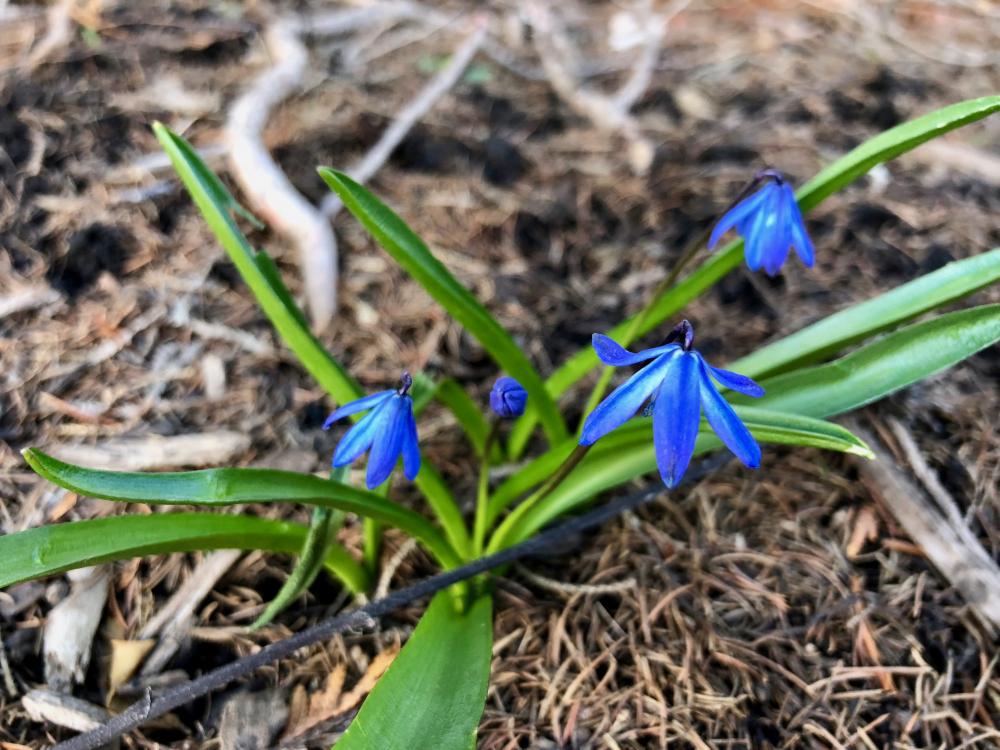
(59, 547)
(433, 694)
(873, 371)
(618, 457)
(949, 283)
(322, 527)
(859, 161)
(216, 205)
(235, 486)
(407, 249)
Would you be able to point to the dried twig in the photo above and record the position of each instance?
(609, 113)
(70, 628)
(437, 87)
(58, 35)
(944, 538)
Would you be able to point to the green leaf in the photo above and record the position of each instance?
(392, 233)
(947, 284)
(56, 548)
(468, 413)
(443, 503)
(216, 205)
(433, 694)
(422, 392)
(628, 453)
(322, 527)
(235, 486)
(884, 366)
(859, 161)
(261, 275)
(876, 370)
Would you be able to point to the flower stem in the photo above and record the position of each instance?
(483, 493)
(632, 332)
(574, 458)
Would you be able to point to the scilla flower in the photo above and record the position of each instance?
(769, 221)
(387, 430)
(508, 398)
(680, 383)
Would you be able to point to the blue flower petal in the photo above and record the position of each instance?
(757, 233)
(389, 443)
(676, 414)
(736, 382)
(361, 404)
(610, 352)
(358, 439)
(780, 236)
(738, 214)
(625, 400)
(800, 237)
(411, 449)
(726, 424)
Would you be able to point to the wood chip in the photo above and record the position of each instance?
(126, 656)
(955, 552)
(70, 628)
(251, 721)
(63, 710)
(27, 299)
(174, 620)
(156, 452)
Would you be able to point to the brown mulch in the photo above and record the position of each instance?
(779, 608)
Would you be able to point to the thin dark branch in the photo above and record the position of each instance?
(365, 617)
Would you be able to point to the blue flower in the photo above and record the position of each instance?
(680, 383)
(387, 430)
(770, 223)
(508, 398)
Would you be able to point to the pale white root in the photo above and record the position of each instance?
(267, 188)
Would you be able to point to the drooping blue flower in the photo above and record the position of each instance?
(508, 398)
(387, 430)
(679, 381)
(770, 223)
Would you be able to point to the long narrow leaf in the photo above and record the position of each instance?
(235, 486)
(859, 161)
(876, 370)
(433, 694)
(258, 270)
(407, 249)
(468, 413)
(322, 527)
(617, 456)
(56, 548)
(893, 362)
(768, 426)
(949, 283)
(216, 205)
